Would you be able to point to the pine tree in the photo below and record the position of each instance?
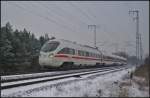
(5, 45)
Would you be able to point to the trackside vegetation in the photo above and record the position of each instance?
(19, 50)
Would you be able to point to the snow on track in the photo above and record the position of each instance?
(40, 79)
(53, 77)
(10, 77)
(33, 87)
(71, 87)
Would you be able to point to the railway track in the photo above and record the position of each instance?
(10, 78)
(12, 82)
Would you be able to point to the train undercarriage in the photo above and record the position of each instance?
(71, 66)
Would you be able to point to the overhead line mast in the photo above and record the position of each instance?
(94, 26)
(138, 35)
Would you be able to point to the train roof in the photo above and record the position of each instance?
(79, 46)
(120, 57)
(85, 47)
(115, 56)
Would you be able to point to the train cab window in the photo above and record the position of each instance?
(50, 46)
(63, 51)
(67, 51)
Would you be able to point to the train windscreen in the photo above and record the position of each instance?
(50, 46)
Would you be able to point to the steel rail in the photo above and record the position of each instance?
(12, 78)
(51, 78)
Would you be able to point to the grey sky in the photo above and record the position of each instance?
(70, 20)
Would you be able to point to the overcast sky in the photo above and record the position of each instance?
(70, 19)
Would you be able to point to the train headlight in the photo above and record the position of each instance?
(51, 55)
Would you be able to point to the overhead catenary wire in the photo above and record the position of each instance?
(69, 14)
(44, 17)
(81, 11)
(51, 20)
(94, 17)
(47, 18)
(57, 18)
(49, 9)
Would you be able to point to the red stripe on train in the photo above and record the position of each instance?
(76, 57)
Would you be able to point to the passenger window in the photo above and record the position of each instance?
(87, 53)
(71, 51)
(79, 52)
(82, 53)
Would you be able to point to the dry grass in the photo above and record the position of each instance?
(123, 92)
(143, 71)
(126, 83)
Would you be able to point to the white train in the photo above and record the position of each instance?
(58, 52)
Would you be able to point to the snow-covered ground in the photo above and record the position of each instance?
(108, 85)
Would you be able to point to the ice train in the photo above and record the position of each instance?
(60, 52)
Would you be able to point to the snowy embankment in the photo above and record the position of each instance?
(108, 85)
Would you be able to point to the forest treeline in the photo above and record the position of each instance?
(19, 49)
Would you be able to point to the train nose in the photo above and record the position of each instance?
(45, 59)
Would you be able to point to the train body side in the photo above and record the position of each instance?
(56, 58)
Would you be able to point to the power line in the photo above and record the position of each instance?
(37, 14)
(94, 17)
(60, 19)
(70, 14)
(57, 18)
(85, 14)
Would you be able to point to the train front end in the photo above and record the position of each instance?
(47, 54)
